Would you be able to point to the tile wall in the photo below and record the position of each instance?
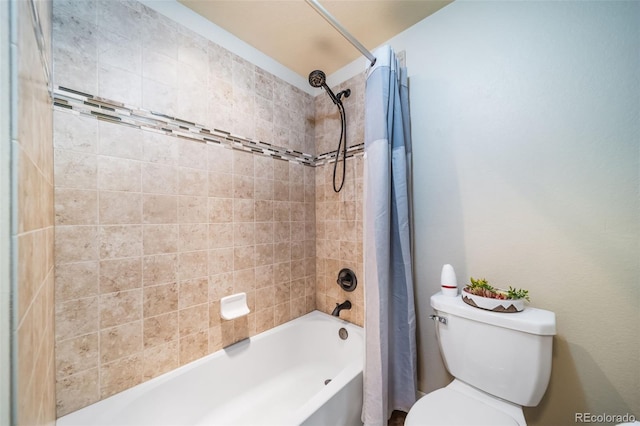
(339, 215)
(33, 160)
(152, 230)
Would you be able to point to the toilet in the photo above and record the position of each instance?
(500, 362)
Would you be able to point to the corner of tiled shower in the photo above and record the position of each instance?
(151, 230)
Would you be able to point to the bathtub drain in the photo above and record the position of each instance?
(326, 382)
(343, 333)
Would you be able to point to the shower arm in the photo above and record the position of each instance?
(335, 24)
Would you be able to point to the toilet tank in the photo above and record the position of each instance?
(507, 355)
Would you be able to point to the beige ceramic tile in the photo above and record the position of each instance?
(192, 209)
(193, 347)
(120, 241)
(220, 261)
(192, 265)
(264, 276)
(220, 210)
(192, 154)
(160, 359)
(76, 280)
(159, 208)
(120, 307)
(159, 269)
(118, 174)
(119, 141)
(76, 243)
(244, 257)
(214, 314)
(160, 299)
(120, 207)
(263, 211)
(220, 235)
(74, 132)
(243, 186)
(159, 178)
(193, 319)
(77, 354)
(159, 239)
(244, 280)
(76, 207)
(159, 148)
(220, 184)
(193, 237)
(220, 285)
(120, 341)
(77, 391)
(192, 182)
(120, 375)
(243, 210)
(77, 317)
(75, 169)
(243, 234)
(193, 292)
(120, 274)
(160, 329)
(263, 189)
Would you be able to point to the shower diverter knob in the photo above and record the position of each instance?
(347, 279)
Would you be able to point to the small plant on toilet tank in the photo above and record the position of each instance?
(480, 294)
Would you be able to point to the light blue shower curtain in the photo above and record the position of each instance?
(390, 372)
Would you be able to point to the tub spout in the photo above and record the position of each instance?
(344, 305)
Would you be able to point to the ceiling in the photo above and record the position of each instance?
(294, 34)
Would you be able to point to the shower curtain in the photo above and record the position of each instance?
(390, 372)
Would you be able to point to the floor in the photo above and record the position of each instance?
(397, 418)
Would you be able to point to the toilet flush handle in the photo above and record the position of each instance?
(438, 318)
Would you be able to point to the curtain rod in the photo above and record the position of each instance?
(335, 24)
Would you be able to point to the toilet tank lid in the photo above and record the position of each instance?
(530, 320)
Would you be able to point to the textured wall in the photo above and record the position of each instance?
(526, 167)
(339, 215)
(33, 239)
(152, 230)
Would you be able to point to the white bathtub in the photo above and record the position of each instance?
(274, 378)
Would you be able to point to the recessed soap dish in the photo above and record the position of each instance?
(234, 306)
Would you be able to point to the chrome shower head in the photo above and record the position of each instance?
(317, 78)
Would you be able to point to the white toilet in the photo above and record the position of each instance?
(500, 361)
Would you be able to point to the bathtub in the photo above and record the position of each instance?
(275, 378)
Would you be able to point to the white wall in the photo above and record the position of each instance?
(525, 123)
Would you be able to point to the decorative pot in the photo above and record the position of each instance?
(491, 304)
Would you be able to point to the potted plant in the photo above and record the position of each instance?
(482, 295)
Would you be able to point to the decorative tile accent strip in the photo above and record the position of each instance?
(115, 112)
(329, 157)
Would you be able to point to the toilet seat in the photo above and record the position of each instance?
(448, 407)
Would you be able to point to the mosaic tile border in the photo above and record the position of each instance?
(67, 99)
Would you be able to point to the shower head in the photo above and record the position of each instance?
(318, 78)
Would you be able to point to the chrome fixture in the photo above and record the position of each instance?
(442, 320)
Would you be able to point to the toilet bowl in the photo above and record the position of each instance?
(459, 404)
(484, 351)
